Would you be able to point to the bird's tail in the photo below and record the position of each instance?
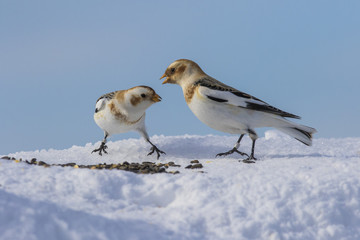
(299, 132)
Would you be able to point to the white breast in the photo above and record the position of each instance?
(114, 124)
(216, 115)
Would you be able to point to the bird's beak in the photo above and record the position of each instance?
(156, 98)
(166, 80)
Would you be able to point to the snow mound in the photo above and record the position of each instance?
(292, 192)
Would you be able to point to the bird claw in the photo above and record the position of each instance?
(158, 151)
(101, 148)
(231, 152)
(250, 159)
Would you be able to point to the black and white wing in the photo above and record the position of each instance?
(222, 93)
(101, 102)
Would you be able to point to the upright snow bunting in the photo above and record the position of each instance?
(229, 110)
(124, 111)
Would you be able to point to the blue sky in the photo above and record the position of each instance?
(57, 58)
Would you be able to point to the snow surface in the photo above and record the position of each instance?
(292, 192)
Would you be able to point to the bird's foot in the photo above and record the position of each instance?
(158, 151)
(231, 152)
(101, 148)
(250, 159)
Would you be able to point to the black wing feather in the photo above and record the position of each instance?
(107, 96)
(263, 107)
(216, 99)
(269, 109)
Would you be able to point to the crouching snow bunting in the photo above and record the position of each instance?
(228, 110)
(124, 111)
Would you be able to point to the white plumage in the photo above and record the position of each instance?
(124, 111)
(227, 109)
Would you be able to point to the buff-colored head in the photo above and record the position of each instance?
(140, 97)
(182, 70)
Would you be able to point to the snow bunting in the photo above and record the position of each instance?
(229, 110)
(124, 111)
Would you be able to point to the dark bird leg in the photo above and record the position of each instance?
(102, 146)
(235, 149)
(251, 158)
(153, 149)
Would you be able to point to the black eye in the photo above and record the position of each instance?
(143, 95)
(172, 70)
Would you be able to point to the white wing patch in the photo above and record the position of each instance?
(100, 105)
(101, 102)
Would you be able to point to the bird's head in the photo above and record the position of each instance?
(142, 97)
(181, 71)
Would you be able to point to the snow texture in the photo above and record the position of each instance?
(291, 192)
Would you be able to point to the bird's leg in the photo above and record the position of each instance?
(235, 149)
(102, 146)
(251, 158)
(153, 149)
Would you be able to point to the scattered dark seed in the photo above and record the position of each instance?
(188, 166)
(148, 163)
(194, 161)
(144, 171)
(141, 168)
(133, 168)
(69, 164)
(247, 161)
(124, 168)
(198, 165)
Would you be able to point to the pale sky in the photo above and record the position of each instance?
(57, 58)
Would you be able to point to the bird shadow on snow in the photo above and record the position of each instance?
(209, 146)
(44, 220)
(193, 147)
(295, 155)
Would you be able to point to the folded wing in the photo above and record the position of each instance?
(224, 94)
(101, 102)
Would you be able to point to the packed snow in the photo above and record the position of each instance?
(291, 192)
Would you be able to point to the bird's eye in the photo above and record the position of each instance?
(172, 70)
(143, 95)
